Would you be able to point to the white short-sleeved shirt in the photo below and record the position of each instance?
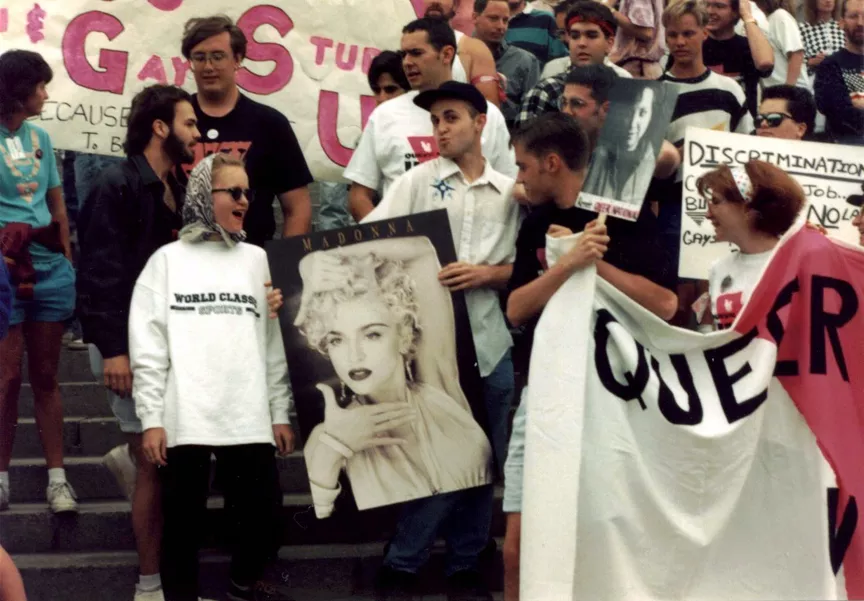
(557, 66)
(731, 282)
(484, 221)
(785, 37)
(399, 136)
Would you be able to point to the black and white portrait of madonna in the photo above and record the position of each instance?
(396, 420)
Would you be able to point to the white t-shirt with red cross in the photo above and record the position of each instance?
(730, 283)
(398, 136)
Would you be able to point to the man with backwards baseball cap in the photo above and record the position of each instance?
(484, 221)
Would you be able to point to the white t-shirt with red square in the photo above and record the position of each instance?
(730, 284)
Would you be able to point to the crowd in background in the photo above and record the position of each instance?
(515, 111)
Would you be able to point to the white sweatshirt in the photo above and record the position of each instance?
(208, 363)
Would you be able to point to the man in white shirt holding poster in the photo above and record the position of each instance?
(484, 222)
(398, 135)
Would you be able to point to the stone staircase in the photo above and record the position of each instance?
(91, 557)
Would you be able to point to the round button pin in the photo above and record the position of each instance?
(212, 134)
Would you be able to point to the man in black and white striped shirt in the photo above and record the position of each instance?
(705, 99)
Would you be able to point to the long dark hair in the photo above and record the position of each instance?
(21, 72)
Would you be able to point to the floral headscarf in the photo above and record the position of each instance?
(199, 221)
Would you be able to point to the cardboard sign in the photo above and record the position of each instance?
(829, 174)
(306, 58)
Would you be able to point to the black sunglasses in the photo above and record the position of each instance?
(772, 119)
(237, 193)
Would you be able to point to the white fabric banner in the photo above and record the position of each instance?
(665, 464)
(306, 58)
(829, 174)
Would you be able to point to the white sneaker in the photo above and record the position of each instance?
(4, 497)
(119, 462)
(149, 595)
(61, 498)
(77, 344)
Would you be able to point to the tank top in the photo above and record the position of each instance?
(459, 73)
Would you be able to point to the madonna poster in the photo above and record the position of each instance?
(382, 363)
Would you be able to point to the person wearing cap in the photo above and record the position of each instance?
(484, 222)
(398, 135)
(857, 200)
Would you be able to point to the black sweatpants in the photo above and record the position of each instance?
(253, 500)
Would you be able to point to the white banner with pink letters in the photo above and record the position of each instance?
(306, 58)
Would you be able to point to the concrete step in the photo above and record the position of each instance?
(82, 436)
(80, 399)
(93, 482)
(314, 573)
(106, 526)
(74, 367)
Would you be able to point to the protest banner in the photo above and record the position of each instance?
(828, 173)
(306, 58)
(368, 329)
(623, 162)
(661, 461)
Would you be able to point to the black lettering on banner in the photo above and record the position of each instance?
(670, 409)
(822, 323)
(840, 535)
(635, 383)
(725, 382)
(776, 329)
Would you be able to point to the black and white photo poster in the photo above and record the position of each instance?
(623, 161)
(382, 363)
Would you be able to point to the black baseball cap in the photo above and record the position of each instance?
(857, 199)
(452, 90)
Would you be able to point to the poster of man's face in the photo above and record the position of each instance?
(382, 363)
(623, 162)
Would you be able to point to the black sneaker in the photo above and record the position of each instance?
(260, 591)
(467, 585)
(395, 585)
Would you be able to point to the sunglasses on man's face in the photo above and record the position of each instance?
(237, 193)
(772, 120)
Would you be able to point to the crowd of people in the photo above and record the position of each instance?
(510, 118)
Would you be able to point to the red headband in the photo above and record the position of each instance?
(601, 24)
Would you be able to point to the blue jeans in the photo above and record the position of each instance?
(463, 518)
(333, 206)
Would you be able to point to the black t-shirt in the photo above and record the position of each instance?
(732, 58)
(264, 139)
(633, 247)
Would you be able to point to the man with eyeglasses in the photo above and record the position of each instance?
(231, 122)
(592, 30)
(786, 112)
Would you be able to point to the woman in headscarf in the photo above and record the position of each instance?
(210, 377)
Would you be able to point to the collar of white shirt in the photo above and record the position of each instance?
(448, 168)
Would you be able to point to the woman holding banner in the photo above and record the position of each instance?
(750, 206)
(34, 236)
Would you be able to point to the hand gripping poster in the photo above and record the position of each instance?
(623, 161)
(382, 363)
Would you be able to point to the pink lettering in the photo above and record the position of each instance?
(113, 63)
(328, 117)
(367, 105)
(346, 65)
(181, 70)
(4, 20)
(283, 71)
(166, 5)
(321, 46)
(153, 69)
(368, 55)
(419, 7)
